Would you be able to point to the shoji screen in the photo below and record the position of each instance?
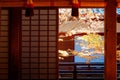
(39, 45)
(4, 45)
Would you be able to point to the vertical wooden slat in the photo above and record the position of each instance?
(15, 22)
(110, 40)
(0, 19)
(57, 58)
(47, 43)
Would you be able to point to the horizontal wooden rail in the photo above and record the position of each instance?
(83, 71)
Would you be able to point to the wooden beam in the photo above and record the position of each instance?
(48, 4)
(83, 4)
(110, 41)
(118, 4)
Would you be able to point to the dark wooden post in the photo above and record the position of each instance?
(110, 40)
(14, 57)
(75, 72)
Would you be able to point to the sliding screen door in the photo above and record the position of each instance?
(4, 45)
(39, 45)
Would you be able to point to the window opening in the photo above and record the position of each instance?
(81, 43)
